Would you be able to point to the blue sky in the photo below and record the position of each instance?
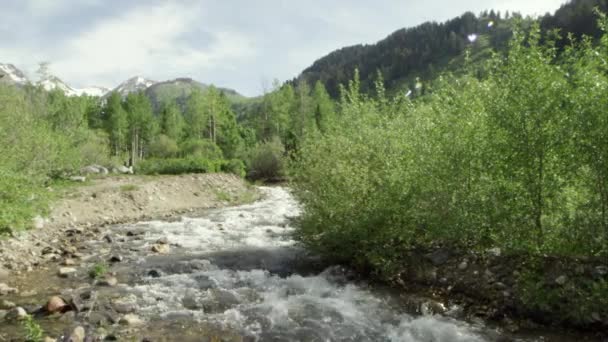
(238, 44)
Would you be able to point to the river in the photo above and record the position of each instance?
(237, 274)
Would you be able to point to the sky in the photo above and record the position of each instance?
(239, 44)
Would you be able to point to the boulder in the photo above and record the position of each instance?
(16, 314)
(6, 290)
(65, 272)
(160, 249)
(131, 320)
(108, 281)
(38, 222)
(6, 305)
(77, 335)
(125, 170)
(561, 280)
(55, 304)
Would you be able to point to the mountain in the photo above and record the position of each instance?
(132, 85)
(93, 91)
(426, 50)
(11, 74)
(51, 82)
(179, 89)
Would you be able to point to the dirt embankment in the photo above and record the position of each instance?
(114, 200)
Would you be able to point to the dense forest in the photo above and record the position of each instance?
(425, 51)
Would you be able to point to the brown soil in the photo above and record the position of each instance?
(120, 199)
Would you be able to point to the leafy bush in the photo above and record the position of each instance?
(163, 147)
(176, 166)
(201, 148)
(267, 162)
(234, 166)
(21, 198)
(512, 159)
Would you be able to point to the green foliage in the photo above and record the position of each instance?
(163, 147)
(267, 162)
(176, 166)
(201, 148)
(128, 187)
(514, 158)
(33, 331)
(98, 271)
(234, 166)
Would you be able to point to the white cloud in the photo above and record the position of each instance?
(146, 41)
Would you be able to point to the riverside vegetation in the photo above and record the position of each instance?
(508, 151)
(510, 154)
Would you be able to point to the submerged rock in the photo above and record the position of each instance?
(131, 320)
(77, 335)
(6, 290)
(161, 249)
(16, 314)
(55, 304)
(65, 272)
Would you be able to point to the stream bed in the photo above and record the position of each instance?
(234, 274)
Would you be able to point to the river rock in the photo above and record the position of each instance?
(108, 281)
(495, 252)
(6, 290)
(77, 335)
(160, 249)
(6, 305)
(154, 274)
(561, 280)
(16, 314)
(599, 271)
(38, 222)
(49, 339)
(55, 304)
(65, 272)
(163, 241)
(131, 320)
(116, 258)
(125, 305)
(463, 265)
(68, 262)
(80, 179)
(125, 170)
(439, 257)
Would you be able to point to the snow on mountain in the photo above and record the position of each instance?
(53, 82)
(134, 84)
(93, 91)
(12, 74)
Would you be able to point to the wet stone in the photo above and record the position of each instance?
(154, 274)
(65, 272)
(131, 320)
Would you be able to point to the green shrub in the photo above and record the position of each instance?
(234, 166)
(21, 198)
(267, 162)
(33, 330)
(98, 271)
(176, 166)
(163, 147)
(201, 148)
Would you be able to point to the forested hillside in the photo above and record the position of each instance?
(423, 52)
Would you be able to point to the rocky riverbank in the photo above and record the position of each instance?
(82, 211)
(518, 292)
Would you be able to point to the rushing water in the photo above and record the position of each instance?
(239, 271)
(237, 274)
